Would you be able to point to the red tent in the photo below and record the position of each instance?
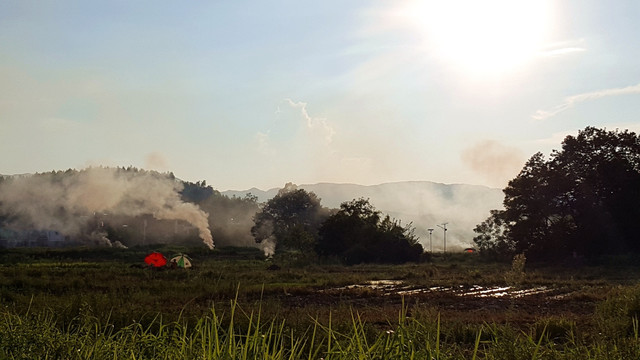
(156, 259)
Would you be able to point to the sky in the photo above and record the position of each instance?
(260, 93)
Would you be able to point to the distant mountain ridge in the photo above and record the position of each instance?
(426, 204)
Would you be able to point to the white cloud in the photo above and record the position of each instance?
(562, 51)
(563, 48)
(571, 101)
(314, 124)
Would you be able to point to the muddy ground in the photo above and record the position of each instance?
(380, 303)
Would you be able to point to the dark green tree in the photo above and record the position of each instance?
(345, 229)
(358, 233)
(598, 173)
(582, 200)
(491, 239)
(197, 192)
(531, 209)
(291, 219)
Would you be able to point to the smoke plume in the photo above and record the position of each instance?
(495, 161)
(63, 201)
(100, 237)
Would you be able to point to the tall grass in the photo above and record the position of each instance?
(217, 336)
(95, 305)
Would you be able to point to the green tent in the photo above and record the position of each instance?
(181, 261)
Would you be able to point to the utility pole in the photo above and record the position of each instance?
(443, 226)
(430, 243)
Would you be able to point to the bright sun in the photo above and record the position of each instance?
(482, 37)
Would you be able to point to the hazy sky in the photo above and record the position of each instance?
(260, 93)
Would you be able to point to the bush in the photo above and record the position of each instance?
(358, 233)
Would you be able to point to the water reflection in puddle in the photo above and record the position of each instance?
(383, 285)
(397, 287)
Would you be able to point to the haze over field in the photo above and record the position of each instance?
(422, 203)
(86, 204)
(257, 94)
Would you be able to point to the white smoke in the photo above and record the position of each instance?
(494, 160)
(268, 247)
(100, 238)
(62, 200)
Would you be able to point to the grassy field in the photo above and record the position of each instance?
(234, 304)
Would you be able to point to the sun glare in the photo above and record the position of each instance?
(482, 37)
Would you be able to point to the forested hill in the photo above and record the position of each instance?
(230, 217)
(424, 203)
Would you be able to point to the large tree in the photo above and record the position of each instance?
(583, 199)
(358, 233)
(291, 219)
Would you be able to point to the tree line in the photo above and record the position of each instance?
(581, 201)
(296, 222)
(293, 223)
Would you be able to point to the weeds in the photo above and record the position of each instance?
(31, 336)
(58, 306)
(516, 275)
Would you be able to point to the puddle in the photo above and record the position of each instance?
(532, 291)
(480, 291)
(382, 285)
(397, 287)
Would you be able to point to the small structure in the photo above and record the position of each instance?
(156, 260)
(469, 251)
(181, 261)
